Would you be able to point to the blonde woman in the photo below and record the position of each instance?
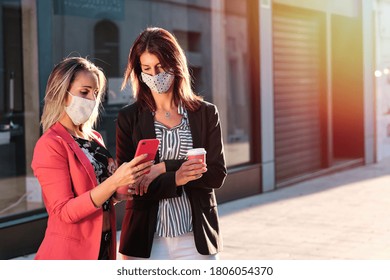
(174, 212)
(77, 174)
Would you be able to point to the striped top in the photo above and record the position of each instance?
(174, 214)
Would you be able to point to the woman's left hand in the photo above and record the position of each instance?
(141, 186)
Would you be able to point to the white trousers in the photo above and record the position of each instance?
(181, 247)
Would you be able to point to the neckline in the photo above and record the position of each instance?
(80, 138)
(182, 122)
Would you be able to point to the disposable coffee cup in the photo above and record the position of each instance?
(199, 153)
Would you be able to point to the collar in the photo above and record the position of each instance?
(181, 110)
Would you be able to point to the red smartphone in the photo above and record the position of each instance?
(147, 146)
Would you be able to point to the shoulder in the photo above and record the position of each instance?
(50, 143)
(50, 137)
(129, 109)
(127, 115)
(208, 107)
(207, 112)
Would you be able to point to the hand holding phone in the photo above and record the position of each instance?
(145, 146)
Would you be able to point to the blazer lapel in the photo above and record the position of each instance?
(61, 131)
(146, 125)
(195, 119)
(146, 128)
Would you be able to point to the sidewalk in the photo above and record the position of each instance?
(340, 216)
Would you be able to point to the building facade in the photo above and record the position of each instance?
(382, 76)
(293, 82)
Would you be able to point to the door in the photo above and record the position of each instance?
(298, 93)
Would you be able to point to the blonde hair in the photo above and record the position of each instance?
(59, 83)
(164, 45)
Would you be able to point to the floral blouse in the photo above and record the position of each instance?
(101, 160)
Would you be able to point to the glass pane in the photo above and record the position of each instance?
(238, 86)
(17, 193)
(214, 35)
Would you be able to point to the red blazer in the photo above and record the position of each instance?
(74, 226)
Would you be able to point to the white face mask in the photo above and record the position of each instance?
(80, 109)
(159, 83)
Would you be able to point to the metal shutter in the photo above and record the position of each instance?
(296, 94)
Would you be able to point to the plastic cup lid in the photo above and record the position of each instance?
(197, 151)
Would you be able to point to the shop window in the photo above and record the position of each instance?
(213, 34)
(106, 45)
(12, 128)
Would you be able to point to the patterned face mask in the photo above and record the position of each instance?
(80, 109)
(159, 83)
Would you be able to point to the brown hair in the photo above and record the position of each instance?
(164, 45)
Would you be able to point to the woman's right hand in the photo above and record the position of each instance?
(190, 170)
(125, 175)
(129, 172)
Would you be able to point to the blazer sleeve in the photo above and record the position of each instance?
(51, 167)
(126, 140)
(164, 186)
(125, 148)
(215, 158)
